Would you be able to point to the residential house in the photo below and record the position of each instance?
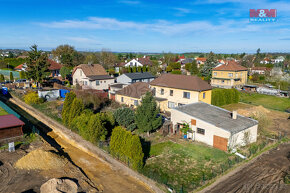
(215, 126)
(200, 61)
(181, 58)
(92, 76)
(279, 59)
(260, 70)
(179, 90)
(115, 87)
(129, 78)
(229, 75)
(118, 67)
(186, 61)
(54, 68)
(139, 62)
(265, 61)
(132, 94)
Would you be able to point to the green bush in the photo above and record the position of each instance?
(127, 147)
(22, 75)
(2, 78)
(69, 98)
(222, 97)
(125, 117)
(76, 109)
(33, 98)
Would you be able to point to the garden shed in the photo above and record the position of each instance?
(10, 126)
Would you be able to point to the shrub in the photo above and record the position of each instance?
(64, 71)
(127, 147)
(222, 97)
(125, 117)
(33, 98)
(75, 110)
(11, 76)
(69, 98)
(22, 75)
(2, 79)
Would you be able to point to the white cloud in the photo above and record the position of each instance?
(129, 2)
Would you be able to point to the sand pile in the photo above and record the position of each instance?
(41, 160)
(254, 111)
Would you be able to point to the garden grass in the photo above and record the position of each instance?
(267, 101)
(2, 112)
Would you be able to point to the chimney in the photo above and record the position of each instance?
(90, 63)
(234, 115)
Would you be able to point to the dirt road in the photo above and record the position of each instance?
(265, 174)
(100, 173)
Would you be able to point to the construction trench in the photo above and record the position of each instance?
(92, 168)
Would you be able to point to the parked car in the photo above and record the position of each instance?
(21, 80)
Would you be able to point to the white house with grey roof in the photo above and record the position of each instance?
(129, 78)
(215, 126)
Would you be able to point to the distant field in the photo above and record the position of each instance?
(184, 165)
(3, 112)
(267, 101)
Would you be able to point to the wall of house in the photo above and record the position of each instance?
(78, 76)
(178, 98)
(133, 63)
(243, 75)
(103, 84)
(210, 130)
(238, 139)
(124, 79)
(129, 101)
(163, 105)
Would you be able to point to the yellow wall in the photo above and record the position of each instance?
(126, 100)
(177, 97)
(243, 75)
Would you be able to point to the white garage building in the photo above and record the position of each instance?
(215, 126)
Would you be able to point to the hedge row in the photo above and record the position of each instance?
(127, 147)
(222, 97)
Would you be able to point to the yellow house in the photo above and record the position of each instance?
(172, 90)
(229, 75)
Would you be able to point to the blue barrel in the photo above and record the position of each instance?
(63, 92)
(185, 136)
(4, 90)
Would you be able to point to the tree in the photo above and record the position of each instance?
(146, 116)
(68, 55)
(22, 75)
(144, 69)
(209, 64)
(37, 65)
(76, 109)
(69, 98)
(11, 76)
(125, 117)
(64, 72)
(106, 58)
(193, 68)
(2, 78)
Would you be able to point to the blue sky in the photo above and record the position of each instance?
(221, 26)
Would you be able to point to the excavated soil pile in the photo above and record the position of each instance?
(41, 160)
(253, 111)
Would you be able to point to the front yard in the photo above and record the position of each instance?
(2, 112)
(184, 165)
(267, 101)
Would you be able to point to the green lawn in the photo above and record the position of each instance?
(267, 101)
(3, 112)
(185, 165)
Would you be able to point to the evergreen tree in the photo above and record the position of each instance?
(193, 68)
(76, 109)
(11, 76)
(146, 114)
(37, 65)
(22, 74)
(209, 64)
(69, 98)
(2, 78)
(126, 118)
(144, 69)
(134, 69)
(64, 72)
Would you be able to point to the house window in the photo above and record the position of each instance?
(100, 81)
(180, 104)
(97, 82)
(186, 95)
(171, 92)
(162, 91)
(171, 104)
(200, 131)
(223, 81)
(122, 99)
(214, 73)
(230, 74)
(203, 95)
(135, 102)
(104, 81)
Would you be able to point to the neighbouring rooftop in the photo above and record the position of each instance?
(7, 121)
(217, 116)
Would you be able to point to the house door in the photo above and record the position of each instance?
(220, 143)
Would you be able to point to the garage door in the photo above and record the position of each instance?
(220, 142)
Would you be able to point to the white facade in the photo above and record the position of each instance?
(279, 59)
(80, 78)
(210, 130)
(133, 63)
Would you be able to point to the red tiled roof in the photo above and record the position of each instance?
(145, 61)
(201, 59)
(19, 67)
(181, 82)
(230, 66)
(7, 121)
(181, 57)
(54, 65)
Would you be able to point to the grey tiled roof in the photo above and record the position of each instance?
(217, 116)
(139, 75)
(100, 77)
